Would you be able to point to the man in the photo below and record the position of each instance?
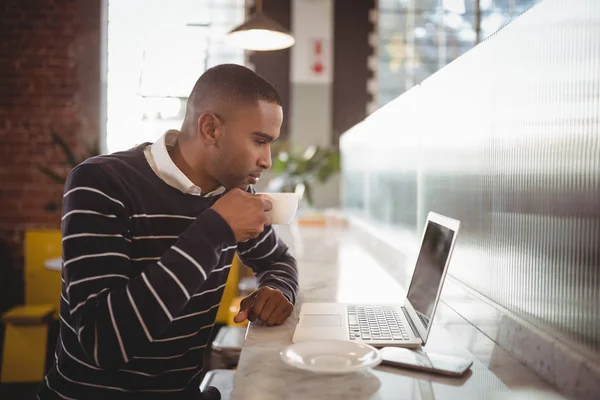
(149, 235)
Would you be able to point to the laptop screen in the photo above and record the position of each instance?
(429, 270)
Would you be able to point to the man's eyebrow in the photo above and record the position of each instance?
(264, 136)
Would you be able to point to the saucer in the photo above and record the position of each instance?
(331, 356)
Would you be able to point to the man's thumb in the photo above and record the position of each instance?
(243, 313)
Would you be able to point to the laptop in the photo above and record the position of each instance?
(381, 325)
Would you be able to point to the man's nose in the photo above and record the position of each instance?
(265, 162)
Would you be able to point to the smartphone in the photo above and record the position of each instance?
(422, 361)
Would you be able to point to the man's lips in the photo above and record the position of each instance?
(254, 177)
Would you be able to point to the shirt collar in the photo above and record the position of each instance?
(169, 172)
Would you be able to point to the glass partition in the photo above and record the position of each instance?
(505, 139)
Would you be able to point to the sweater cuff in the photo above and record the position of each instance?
(219, 232)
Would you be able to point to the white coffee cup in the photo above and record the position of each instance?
(284, 208)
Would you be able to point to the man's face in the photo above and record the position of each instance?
(244, 149)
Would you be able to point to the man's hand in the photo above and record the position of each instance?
(245, 213)
(268, 305)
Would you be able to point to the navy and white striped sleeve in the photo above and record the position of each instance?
(269, 258)
(115, 311)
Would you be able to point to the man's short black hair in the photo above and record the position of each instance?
(225, 86)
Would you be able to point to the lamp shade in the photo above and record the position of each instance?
(261, 33)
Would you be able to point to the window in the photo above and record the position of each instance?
(156, 52)
(418, 37)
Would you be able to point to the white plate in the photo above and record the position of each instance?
(331, 356)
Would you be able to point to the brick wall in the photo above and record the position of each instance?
(49, 80)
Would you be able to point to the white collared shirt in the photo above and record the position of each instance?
(157, 155)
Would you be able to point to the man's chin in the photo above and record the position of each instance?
(248, 182)
(242, 186)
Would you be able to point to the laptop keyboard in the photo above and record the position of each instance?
(375, 323)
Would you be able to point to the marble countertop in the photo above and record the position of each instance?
(335, 268)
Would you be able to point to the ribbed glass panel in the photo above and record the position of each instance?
(506, 139)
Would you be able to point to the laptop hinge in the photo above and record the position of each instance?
(412, 326)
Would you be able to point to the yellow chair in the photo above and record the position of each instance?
(230, 302)
(25, 342)
(226, 347)
(26, 326)
(42, 286)
(231, 290)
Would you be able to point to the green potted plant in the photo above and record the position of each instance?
(71, 160)
(298, 171)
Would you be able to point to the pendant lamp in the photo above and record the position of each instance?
(260, 33)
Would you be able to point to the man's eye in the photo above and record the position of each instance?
(261, 142)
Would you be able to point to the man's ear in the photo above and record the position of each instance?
(209, 128)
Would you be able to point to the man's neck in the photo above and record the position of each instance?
(192, 168)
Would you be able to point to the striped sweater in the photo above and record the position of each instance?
(144, 269)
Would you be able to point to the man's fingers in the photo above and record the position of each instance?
(268, 309)
(268, 220)
(276, 314)
(266, 203)
(268, 305)
(260, 298)
(245, 308)
(247, 301)
(286, 314)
